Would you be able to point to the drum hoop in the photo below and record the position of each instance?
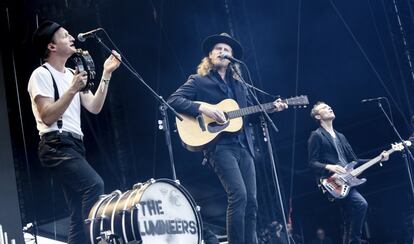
(114, 210)
(93, 217)
(139, 192)
(123, 215)
(112, 196)
(193, 204)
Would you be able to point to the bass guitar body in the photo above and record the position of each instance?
(339, 185)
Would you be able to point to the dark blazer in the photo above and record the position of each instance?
(322, 151)
(210, 89)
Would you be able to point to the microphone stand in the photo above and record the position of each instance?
(267, 139)
(406, 150)
(165, 126)
(165, 106)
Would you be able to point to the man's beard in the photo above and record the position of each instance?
(220, 65)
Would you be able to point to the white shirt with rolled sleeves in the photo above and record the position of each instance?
(41, 84)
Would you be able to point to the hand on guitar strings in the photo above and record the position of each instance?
(335, 168)
(213, 113)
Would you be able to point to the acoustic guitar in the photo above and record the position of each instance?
(198, 132)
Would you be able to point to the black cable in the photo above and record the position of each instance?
(371, 65)
(123, 57)
(374, 21)
(407, 53)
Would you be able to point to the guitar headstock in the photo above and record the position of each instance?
(399, 146)
(298, 101)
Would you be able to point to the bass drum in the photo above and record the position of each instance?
(155, 212)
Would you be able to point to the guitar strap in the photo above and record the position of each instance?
(56, 91)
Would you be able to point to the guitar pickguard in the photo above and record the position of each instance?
(215, 127)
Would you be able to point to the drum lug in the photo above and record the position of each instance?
(136, 206)
(124, 211)
(102, 196)
(152, 180)
(116, 193)
(177, 182)
(137, 186)
(88, 221)
(103, 217)
(198, 208)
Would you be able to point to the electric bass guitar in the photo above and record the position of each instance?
(197, 133)
(339, 185)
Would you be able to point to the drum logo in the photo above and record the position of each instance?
(175, 198)
(155, 222)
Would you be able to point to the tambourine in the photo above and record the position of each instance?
(84, 62)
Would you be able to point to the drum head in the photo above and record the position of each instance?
(167, 215)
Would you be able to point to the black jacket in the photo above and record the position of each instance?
(322, 151)
(210, 89)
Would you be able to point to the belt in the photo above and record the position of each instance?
(63, 133)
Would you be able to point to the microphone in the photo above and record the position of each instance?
(228, 57)
(90, 34)
(372, 99)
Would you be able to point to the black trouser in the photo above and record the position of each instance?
(235, 168)
(65, 156)
(354, 208)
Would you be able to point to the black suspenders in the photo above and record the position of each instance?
(59, 122)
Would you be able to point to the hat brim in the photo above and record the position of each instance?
(211, 41)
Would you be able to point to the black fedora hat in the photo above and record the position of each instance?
(43, 35)
(211, 41)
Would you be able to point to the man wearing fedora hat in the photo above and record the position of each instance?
(56, 104)
(232, 155)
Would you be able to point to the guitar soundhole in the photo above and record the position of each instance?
(215, 127)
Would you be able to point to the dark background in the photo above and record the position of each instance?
(335, 51)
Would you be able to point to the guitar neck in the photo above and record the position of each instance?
(249, 110)
(370, 163)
